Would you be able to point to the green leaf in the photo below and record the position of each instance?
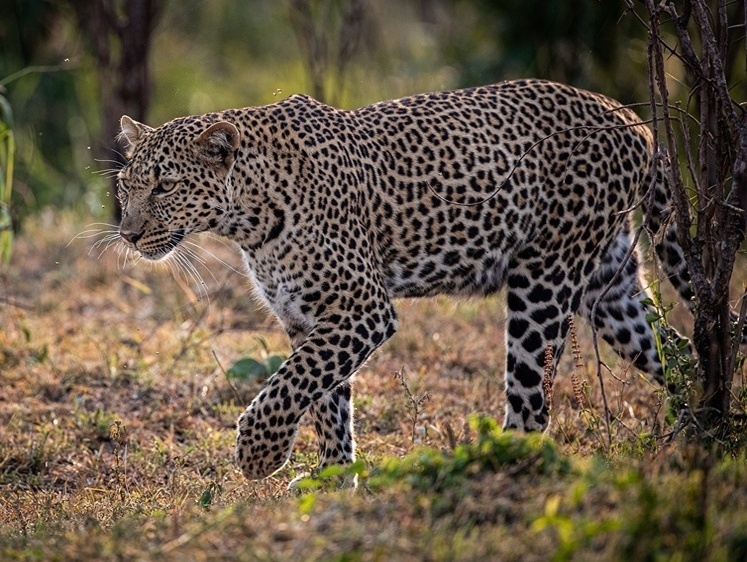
(273, 363)
(247, 369)
(652, 317)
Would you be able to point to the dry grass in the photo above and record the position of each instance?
(117, 430)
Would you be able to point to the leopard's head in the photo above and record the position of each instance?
(174, 182)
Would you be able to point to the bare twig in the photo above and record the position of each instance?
(657, 75)
(118, 435)
(593, 129)
(738, 332)
(10, 301)
(416, 402)
(683, 419)
(228, 379)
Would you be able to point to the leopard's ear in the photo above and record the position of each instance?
(217, 145)
(131, 134)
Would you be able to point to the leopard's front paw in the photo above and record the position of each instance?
(264, 442)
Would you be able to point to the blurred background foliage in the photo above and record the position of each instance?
(67, 79)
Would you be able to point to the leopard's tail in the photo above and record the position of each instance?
(662, 228)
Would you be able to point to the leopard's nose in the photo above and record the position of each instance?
(131, 236)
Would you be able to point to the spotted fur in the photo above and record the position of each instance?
(526, 185)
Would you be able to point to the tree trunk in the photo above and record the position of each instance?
(119, 34)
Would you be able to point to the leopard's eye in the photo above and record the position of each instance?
(164, 187)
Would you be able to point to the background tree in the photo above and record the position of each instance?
(587, 44)
(119, 35)
(330, 34)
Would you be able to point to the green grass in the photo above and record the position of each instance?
(117, 426)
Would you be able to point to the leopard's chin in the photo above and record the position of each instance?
(158, 255)
(164, 251)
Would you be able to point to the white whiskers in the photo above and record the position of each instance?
(109, 172)
(185, 259)
(179, 260)
(107, 234)
(212, 255)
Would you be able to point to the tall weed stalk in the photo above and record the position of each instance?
(7, 156)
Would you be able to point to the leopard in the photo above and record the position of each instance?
(524, 186)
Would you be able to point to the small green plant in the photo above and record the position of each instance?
(680, 369)
(208, 495)
(493, 450)
(98, 424)
(333, 477)
(249, 369)
(7, 156)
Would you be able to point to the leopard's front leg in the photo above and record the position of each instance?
(332, 415)
(331, 353)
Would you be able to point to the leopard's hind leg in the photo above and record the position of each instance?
(333, 421)
(620, 311)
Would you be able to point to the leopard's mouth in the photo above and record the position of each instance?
(159, 253)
